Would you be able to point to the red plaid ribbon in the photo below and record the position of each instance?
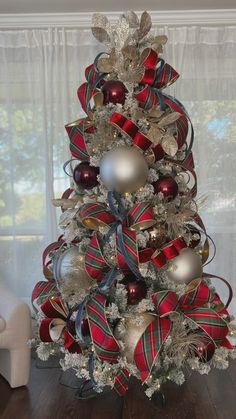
(194, 305)
(106, 347)
(157, 73)
(76, 132)
(150, 344)
(42, 291)
(95, 263)
(121, 382)
(53, 326)
(127, 126)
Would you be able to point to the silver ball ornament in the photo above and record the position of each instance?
(124, 169)
(69, 266)
(185, 267)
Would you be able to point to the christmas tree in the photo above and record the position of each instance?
(125, 290)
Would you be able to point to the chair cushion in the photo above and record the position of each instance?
(2, 324)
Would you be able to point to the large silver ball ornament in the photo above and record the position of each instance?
(124, 169)
(69, 266)
(133, 332)
(185, 267)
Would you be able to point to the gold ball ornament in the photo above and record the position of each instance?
(69, 266)
(185, 267)
(124, 169)
(133, 332)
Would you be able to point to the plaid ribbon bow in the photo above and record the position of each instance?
(195, 305)
(95, 215)
(54, 326)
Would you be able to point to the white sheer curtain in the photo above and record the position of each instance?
(39, 74)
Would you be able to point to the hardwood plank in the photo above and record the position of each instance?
(201, 397)
(182, 402)
(222, 391)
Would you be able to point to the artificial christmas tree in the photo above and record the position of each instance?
(126, 292)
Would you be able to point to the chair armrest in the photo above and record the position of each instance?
(9, 303)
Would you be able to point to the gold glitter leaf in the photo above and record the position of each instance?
(155, 113)
(145, 24)
(169, 145)
(169, 119)
(133, 75)
(160, 39)
(130, 51)
(104, 65)
(155, 134)
(100, 34)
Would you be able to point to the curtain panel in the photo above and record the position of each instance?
(40, 72)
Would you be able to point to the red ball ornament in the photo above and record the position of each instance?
(168, 186)
(136, 290)
(85, 175)
(114, 92)
(205, 350)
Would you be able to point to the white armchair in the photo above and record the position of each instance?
(15, 331)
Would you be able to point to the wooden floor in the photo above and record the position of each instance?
(201, 397)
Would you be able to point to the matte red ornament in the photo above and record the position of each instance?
(168, 186)
(114, 92)
(205, 350)
(85, 175)
(136, 290)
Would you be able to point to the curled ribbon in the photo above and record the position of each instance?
(157, 73)
(168, 252)
(54, 326)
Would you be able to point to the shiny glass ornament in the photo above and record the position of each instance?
(69, 265)
(185, 267)
(168, 186)
(205, 350)
(85, 175)
(114, 91)
(124, 169)
(136, 290)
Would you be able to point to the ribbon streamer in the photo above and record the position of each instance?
(123, 225)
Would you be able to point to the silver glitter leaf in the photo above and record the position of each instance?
(145, 24)
(100, 34)
(99, 20)
(169, 119)
(169, 145)
(132, 19)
